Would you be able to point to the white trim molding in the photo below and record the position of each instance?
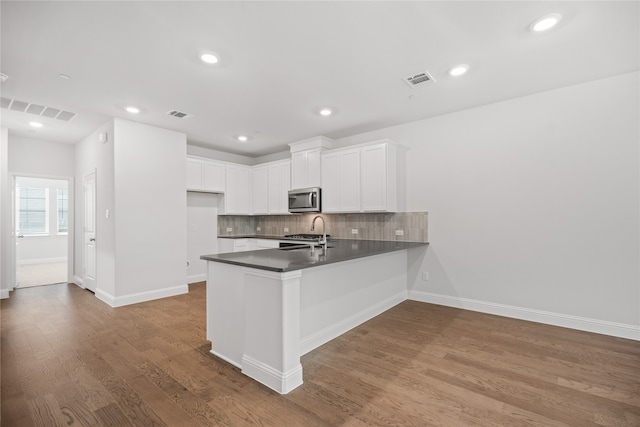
(620, 330)
(140, 296)
(282, 382)
(4, 293)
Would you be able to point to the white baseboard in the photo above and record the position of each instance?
(282, 382)
(41, 260)
(78, 281)
(197, 278)
(333, 331)
(4, 293)
(141, 296)
(564, 320)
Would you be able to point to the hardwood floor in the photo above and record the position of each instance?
(69, 359)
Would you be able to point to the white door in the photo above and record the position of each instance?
(89, 193)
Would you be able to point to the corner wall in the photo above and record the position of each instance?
(6, 282)
(533, 205)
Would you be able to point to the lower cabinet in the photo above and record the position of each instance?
(245, 244)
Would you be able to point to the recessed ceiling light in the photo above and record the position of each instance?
(209, 57)
(458, 70)
(326, 112)
(64, 76)
(3, 77)
(132, 110)
(35, 124)
(242, 138)
(545, 23)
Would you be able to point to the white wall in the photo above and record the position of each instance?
(533, 205)
(6, 260)
(149, 212)
(36, 157)
(93, 155)
(202, 232)
(141, 181)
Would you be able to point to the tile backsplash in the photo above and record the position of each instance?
(369, 226)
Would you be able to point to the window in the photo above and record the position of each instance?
(33, 215)
(63, 211)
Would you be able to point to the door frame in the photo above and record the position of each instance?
(70, 233)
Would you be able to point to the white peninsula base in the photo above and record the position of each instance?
(263, 321)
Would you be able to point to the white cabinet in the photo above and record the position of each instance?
(260, 188)
(226, 245)
(341, 181)
(232, 245)
(205, 175)
(305, 169)
(360, 179)
(237, 198)
(270, 185)
(279, 183)
(379, 174)
(214, 176)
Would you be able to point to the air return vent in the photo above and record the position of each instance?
(419, 79)
(37, 110)
(179, 114)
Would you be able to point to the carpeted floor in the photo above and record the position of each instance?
(41, 274)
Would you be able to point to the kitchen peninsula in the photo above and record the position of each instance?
(266, 308)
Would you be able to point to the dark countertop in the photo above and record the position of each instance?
(253, 236)
(289, 260)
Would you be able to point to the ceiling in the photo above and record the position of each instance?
(280, 62)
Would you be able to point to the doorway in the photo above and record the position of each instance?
(42, 230)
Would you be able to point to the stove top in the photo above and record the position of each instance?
(304, 236)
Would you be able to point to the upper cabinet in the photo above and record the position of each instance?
(205, 175)
(341, 181)
(378, 172)
(271, 183)
(237, 198)
(279, 184)
(360, 179)
(305, 161)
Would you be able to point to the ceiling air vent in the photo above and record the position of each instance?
(179, 114)
(37, 110)
(419, 79)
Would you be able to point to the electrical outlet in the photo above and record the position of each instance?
(399, 232)
(354, 231)
(258, 228)
(229, 229)
(286, 229)
(425, 275)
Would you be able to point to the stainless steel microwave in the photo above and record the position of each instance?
(305, 200)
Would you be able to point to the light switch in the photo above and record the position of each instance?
(106, 214)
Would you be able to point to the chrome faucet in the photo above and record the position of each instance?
(323, 239)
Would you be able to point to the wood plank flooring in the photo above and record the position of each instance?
(67, 359)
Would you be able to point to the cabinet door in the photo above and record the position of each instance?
(314, 172)
(299, 169)
(238, 193)
(331, 182)
(261, 190)
(194, 174)
(214, 177)
(279, 183)
(350, 181)
(374, 178)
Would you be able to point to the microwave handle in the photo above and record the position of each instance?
(311, 194)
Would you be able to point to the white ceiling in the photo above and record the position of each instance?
(282, 61)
